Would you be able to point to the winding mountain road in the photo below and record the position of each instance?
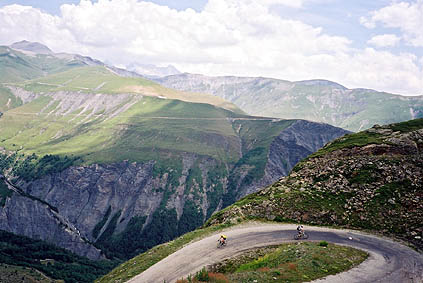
(388, 261)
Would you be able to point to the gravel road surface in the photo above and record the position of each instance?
(389, 261)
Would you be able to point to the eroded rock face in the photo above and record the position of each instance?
(24, 95)
(291, 146)
(25, 216)
(377, 186)
(84, 194)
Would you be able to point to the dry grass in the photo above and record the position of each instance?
(292, 266)
(218, 278)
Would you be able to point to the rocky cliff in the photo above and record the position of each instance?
(293, 144)
(370, 180)
(24, 214)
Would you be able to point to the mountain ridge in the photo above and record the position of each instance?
(34, 47)
(152, 71)
(315, 100)
(26, 60)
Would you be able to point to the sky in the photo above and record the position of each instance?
(359, 44)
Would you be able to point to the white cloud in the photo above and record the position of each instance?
(23, 22)
(231, 37)
(289, 3)
(384, 40)
(367, 23)
(408, 17)
(386, 71)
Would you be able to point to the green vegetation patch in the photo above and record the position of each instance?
(56, 263)
(8, 100)
(31, 167)
(366, 174)
(126, 243)
(394, 189)
(4, 193)
(194, 177)
(110, 229)
(192, 217)
(291, 262)
(135, 238)
(214, 179)
(349, 141)
(19, 274)
(99, 225)
(408, 126)
(87, 78)
(143, 261)
(16, 66)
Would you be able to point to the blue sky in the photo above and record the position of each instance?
(372, 44)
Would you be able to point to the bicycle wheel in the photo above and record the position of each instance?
(305, 236)
(296, 237)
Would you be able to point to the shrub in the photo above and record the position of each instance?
(202, 275)
(323, 244)
(218, 278)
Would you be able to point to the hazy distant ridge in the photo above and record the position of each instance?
(315, 100)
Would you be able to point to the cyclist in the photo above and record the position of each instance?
(222, 240)
(300, 230)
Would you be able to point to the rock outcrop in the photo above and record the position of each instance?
(26, 215)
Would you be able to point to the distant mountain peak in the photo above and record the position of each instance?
(153, 71)
(321, 82)
(34, 47)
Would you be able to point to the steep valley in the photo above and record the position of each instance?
(109, 173)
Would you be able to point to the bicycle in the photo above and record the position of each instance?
(221, 244)
(299, 236)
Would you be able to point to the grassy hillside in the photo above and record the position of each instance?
(54, 72)
(370, 180)
(152, 124)
(314, 100)
(100, 79)
(108, 118)
(17, 66)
